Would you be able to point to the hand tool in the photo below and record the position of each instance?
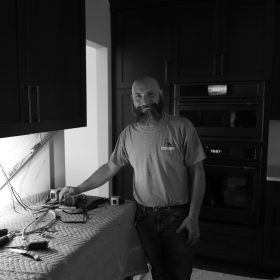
(6, 239)
(32, 246)
(26, 254)
(3, 232)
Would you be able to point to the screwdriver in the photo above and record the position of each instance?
(3, 232)
(32, 246)
(6, 239)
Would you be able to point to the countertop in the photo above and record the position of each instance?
(273, 173)
(105, 247)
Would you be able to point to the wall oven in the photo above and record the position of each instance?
(229, 120)
(233, 180)
(225, 110)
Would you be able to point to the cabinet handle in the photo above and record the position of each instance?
(214, 65)
(222, 64)
(29, 104)
(38, 103)
(165, 71)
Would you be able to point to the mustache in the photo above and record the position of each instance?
(153, 106)
(154, 110)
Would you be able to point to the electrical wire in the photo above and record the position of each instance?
(19, 166)
(37, 219)
(14, 193)
(24, 161)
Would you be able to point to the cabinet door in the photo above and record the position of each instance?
(56, 64)
(272, 225)
(193, 41)
(11, 115)
(140, 46)
(123, 116)
(245, 49)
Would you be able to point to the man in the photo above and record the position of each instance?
(169, 182)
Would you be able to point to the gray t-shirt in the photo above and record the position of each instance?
(159, 156)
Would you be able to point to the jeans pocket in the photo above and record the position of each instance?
(178, 215)
(139, 216)
(172, 219)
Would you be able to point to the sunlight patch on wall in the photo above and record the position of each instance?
(86, 148)
(25, 165)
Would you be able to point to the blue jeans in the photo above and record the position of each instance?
(165, 249)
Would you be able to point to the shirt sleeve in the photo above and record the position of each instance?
(119, 156)
(194, 149)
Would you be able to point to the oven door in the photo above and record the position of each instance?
(232, 150)
(224, 119)
(232, 193)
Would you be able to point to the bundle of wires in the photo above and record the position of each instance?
(14, 194)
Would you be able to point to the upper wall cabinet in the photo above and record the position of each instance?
(10, 105)
(222, 39)
(193, 40)
(139, 42)
(42, 66)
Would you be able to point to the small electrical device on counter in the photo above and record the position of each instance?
(54, 194)
(116, 200)
(85, 202)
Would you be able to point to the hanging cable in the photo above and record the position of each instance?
(14, 193)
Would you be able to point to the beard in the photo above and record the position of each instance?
(152, 112)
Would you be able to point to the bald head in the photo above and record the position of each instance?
(146, 83)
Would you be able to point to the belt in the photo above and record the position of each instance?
(156, 208)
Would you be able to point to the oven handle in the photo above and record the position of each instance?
(185, 103)
(245, 167)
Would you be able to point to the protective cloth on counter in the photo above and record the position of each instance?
(106, 247)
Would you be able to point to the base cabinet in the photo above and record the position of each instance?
(235, 243)
(272, 225)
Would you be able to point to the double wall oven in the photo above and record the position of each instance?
(229, 120)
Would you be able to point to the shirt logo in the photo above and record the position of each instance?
(167, 146)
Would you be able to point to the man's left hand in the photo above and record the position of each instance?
(191, 225)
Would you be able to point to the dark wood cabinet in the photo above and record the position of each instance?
(194, 40)
(246, 44)
(10, 105)
(139, 41)
(229, 40)
(230, 242)
(193, 45)
(123, 181)
(45, 89)
(272, 225)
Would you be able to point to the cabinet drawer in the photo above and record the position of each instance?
(230, 242)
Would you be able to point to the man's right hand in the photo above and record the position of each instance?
(67, 191)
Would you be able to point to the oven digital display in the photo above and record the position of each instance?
(217, 90)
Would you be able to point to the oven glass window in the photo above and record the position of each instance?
(229, 187)
(220, 118)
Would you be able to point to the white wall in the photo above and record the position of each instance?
(273, 157)
(98, 22)
(88, 148)
(43, 170)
